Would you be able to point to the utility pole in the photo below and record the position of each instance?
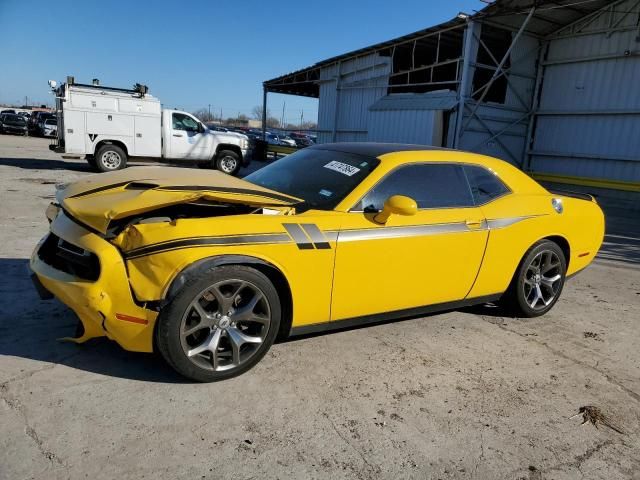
(301, 118)
(209, 111)
(282, 120)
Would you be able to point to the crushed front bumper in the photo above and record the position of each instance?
(104, 303)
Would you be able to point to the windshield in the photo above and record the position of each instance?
(51, 121)
(322, 178)
(10, 117)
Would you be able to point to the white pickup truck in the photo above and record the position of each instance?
(109, 126)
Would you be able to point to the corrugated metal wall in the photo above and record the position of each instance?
(406, 126)
(510, 144)
(353, 103)
(588, 119)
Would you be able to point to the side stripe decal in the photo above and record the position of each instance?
(307, 236)
(268, 238)
(317, 237)
(299, 236)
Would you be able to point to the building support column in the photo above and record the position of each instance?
(535, 104)
(470, 49)
(264, 113)
(336, 113)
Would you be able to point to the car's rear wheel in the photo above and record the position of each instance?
(110, 157)
(539, 280)
(220, 324)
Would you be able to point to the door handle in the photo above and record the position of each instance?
(177, 134)
(474, 223)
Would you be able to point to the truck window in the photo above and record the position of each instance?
(180, 121)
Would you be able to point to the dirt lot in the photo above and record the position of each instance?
(465, 394)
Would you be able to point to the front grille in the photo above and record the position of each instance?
(69, 258)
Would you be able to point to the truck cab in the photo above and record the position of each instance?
(186, 137)
(109, 126)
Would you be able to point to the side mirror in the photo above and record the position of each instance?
(397, 205)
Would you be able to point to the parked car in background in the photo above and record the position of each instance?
(287, 141)
(35, 122)
(50, 127)
(272, 139)
(7, 111)
(12, 123)
(216, 128)
(302, 142)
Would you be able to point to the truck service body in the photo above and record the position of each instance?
(109, 125)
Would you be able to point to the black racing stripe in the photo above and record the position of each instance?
(298, 236)
(317, 237)
(101, 189)
(266, 238)
(242, 191)
(223, 239)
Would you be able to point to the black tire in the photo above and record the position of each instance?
(179, 314)
(532, 294)
(228, 162)
(110, 158)
(91, 160)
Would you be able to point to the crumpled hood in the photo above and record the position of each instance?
(96, 200)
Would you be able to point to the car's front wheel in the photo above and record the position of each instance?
(220, 324)
(539, 280)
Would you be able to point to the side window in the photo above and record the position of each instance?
(430, 185)
(485, 185)
(180, 121)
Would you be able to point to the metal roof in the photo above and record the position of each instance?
(444, 100)
(549, 17)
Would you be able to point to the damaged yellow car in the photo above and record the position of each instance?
(209, 269)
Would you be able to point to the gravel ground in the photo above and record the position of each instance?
(462, 394)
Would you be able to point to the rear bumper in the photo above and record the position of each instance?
(10, 129)
(105, 306)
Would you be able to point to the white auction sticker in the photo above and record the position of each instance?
(343, 168)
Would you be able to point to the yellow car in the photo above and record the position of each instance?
(209, 269)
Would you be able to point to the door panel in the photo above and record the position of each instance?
(429, 258)
(186, 142)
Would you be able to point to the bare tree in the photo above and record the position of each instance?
(273, 122)
(204, 115)
(256, 112)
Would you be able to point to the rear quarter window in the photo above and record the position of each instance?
(485, 185)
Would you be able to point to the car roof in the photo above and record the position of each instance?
(375, 149)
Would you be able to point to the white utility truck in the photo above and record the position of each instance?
(109, 126)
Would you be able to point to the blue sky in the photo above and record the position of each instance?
(195, 53)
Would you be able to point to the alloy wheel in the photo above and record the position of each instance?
(543, 280)
(225, 325)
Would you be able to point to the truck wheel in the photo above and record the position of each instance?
(228, 162)
(110, 158)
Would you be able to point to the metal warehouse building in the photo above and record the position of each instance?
(551, 86)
